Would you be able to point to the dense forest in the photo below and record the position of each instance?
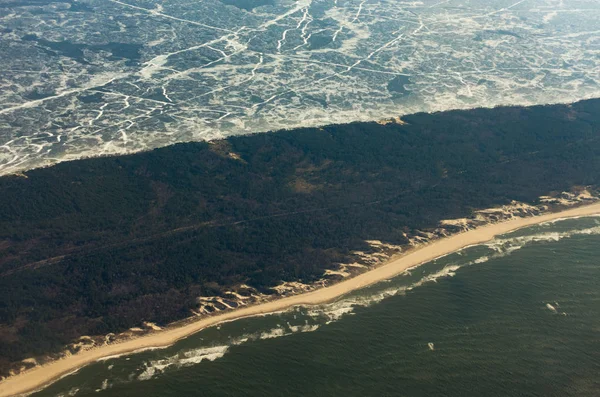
(99, 245)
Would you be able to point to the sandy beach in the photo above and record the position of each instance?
(39, 377)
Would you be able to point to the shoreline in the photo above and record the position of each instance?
(39, 377)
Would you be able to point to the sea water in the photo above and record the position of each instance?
(517, 316)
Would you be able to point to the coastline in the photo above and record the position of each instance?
(40, 377)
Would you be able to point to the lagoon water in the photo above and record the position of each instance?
(519, 316)
(82, 78)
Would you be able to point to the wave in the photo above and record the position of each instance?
(71, 392)
(511, 244)
(334, 311)
(196, 356)
(182, 360)
(105, 385)
(553, 221)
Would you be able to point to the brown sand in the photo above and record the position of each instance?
(42, 376)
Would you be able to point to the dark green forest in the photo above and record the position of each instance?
(99, 245)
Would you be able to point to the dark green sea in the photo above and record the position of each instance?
(517, 317)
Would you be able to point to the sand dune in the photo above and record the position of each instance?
(41, 376)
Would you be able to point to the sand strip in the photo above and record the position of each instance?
(39, 377)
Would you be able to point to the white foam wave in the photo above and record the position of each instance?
(334, 311)
(482, 259)
(105, 385)
(274, 333)
(73, 391)
(196, 356)
(303, 328)
(184, 359)
(553, 221)
(511, 244)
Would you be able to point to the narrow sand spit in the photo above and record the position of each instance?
(39, 377)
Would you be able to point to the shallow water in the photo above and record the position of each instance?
(518, 316)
